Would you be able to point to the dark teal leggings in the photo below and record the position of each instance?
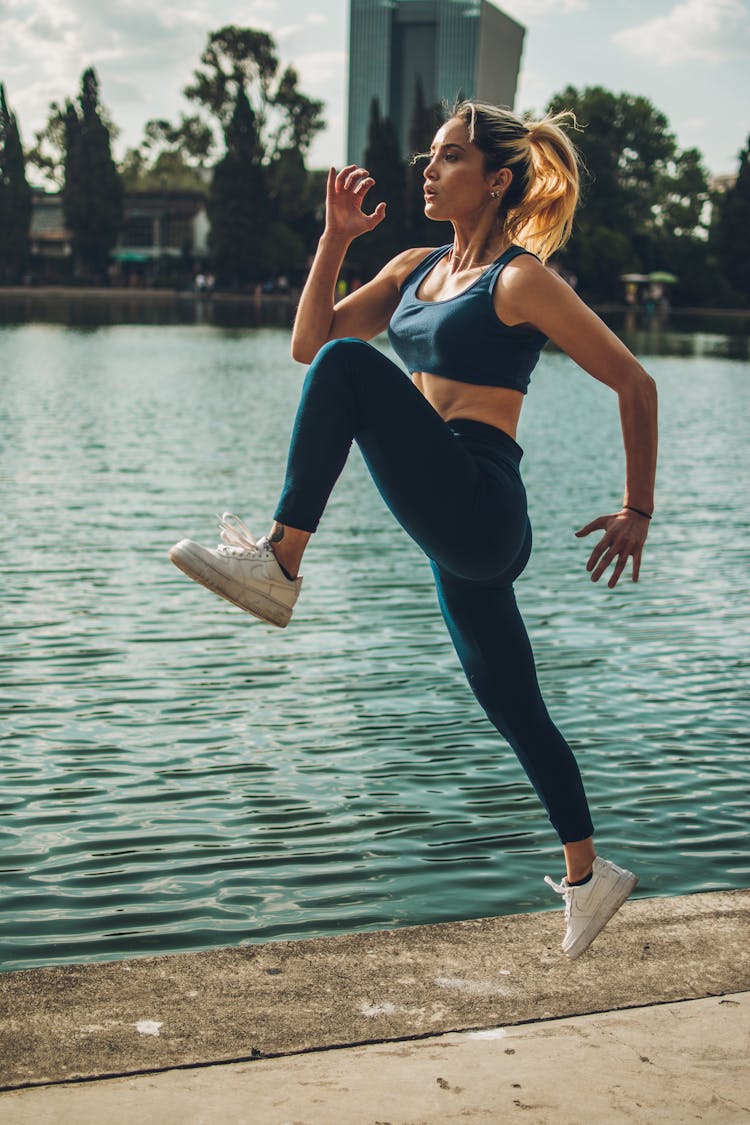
(456, 489)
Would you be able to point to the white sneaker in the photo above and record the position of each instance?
(241, 570)
(590, 907)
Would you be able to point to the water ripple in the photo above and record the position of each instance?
(179, 777)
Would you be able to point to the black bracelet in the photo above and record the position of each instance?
(630, 508)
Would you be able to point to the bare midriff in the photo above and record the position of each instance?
(496, 406)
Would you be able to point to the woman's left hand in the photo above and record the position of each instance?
(624, 535)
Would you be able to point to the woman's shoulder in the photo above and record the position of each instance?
(408, 262)
(527, 288)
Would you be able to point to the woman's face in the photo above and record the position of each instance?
(456, 185)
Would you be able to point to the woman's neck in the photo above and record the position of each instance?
(476, 245)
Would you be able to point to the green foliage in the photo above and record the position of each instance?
(602, 256)
(731, 230)
(238, 206)
(641, 196)
(626, 146)
(47, 156)
(15, 198)
(300, 118)
(400, 184)
(171, 157)
(92, 196)
(684, 195)
(244, 58)
(261, 209)
(384, 163)
(425, 121)
(297, 199)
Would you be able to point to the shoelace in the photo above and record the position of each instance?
(236, 537)
(564, 890)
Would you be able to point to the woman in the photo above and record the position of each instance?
(469, 321)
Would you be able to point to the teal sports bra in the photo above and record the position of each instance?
(462, 338)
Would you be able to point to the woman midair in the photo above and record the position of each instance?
(469, 321)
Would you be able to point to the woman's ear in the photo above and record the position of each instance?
(501, 180)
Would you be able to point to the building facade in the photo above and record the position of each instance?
(162, 229)
(163, 234)
(466, 48)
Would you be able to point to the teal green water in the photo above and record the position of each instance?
(178, 776)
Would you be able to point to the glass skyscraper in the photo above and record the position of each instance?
(466, 47)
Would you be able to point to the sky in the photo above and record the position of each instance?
(691, 58)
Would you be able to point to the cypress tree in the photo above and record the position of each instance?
(731, 234)
(93, 193)
(15, 198)
(425, 121)
(384, 163)
(238, 204)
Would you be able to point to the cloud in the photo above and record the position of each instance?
(290, 31)
(318, 67)
(524, 10)
(709, 31)
(145, 53)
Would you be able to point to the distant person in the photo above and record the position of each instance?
(468, 320)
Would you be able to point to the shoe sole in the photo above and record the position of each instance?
(262, 606)
(606, 911)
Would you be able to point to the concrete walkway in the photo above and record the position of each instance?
(473, 1020)
(670, 1064)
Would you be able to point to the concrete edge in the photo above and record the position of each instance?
(328, 1047)
(78, 1023)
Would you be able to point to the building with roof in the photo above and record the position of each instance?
(161, 230)
(456, 48)
(50, 242)
(163, 233)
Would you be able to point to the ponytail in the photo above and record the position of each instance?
(538, 207)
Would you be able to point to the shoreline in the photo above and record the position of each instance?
(104, 1020)
(112, 294)
(94, 293)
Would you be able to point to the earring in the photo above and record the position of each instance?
(495, 194)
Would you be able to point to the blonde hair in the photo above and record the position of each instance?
(537, 209)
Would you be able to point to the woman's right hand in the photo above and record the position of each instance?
(345, 195)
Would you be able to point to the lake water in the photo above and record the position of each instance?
(178, 776)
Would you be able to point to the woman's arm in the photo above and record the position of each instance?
(365, 312)
(532, 294)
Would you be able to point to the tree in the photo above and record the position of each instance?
(384, 163)
(238, 205)
(296, 201)
(681, 239)
(92, 196)
(169, 156)
(731, 229)
(640, 193)
(15, 197)
(47, 155)
(240, 85)
(241, 57)
(684, 192)
(425, 121)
